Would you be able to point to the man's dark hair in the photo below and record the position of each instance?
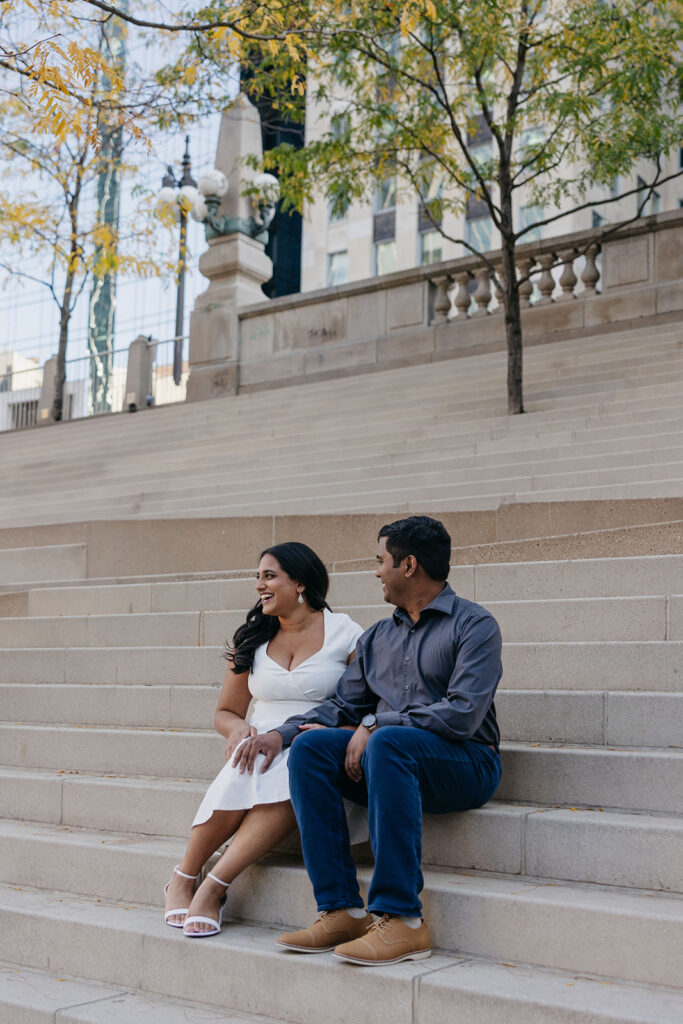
(426, 539)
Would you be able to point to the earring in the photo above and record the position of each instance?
(300, 599)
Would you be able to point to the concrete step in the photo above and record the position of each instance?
(426, 414)
(621, 778)
(606, 847)
(501, 461)
(486, 583)
(599, 577)
(29, 996)
(600, 718)
(451, 455)
(187, 666)
(63, 561)
(610, 848)
(583, 389)
(174, 545)
(383, 491)
(627, 778)
(232, 969)
(590, 619)
(571, 927)
(615, 665)
(467, 466)
(483, 991)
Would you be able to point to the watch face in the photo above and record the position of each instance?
(368, 721)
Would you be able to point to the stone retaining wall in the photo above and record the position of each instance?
(585, 283)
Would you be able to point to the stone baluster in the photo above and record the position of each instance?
(591, 274)
(546, 285)
(568, 278)
(442, 300)
(463, 298)
(482, 296)
(526, 288)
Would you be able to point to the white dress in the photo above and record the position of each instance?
(278, 694)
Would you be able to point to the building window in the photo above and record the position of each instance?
(530, 215)
(479, 233)
(385, 257)
(385, 195)
(337, 268)
(431, 247)
(597, 219)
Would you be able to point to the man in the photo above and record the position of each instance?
(420, 696)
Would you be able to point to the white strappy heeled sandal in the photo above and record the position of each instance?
(183, 910)
(208, 920)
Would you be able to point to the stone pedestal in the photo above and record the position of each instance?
(47, 391)
(236, 267)
(139, 375)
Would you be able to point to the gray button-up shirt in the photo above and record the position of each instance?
(439, 673)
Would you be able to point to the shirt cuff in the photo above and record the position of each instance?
(388, 718)
(288, 732)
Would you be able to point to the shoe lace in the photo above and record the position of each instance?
(381, 923)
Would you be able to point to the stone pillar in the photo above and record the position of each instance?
(463, 299)
(139, 374)
(235, 264)
(442, 299)
(482, 296)
(236, 267)
(47, 391)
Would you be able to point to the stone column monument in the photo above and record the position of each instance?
(235, 263)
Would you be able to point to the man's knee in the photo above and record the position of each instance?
(316, 745)
(386, 744)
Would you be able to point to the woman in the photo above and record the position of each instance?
(287, 656)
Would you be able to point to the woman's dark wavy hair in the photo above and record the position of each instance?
(303, 566)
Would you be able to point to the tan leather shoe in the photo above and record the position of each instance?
(331, 928)
(387, 941)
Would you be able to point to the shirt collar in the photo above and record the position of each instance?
(444, 602)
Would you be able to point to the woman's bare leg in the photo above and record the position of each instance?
(263, 827)
(204, 840)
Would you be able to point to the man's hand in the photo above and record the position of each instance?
(308, 728)
(235, 738)
(269, 744)
(354, 752)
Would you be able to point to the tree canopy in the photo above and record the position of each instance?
(494, 101)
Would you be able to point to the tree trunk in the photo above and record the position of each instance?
(60, 376)
(511, 307)
(513, 328)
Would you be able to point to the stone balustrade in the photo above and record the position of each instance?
(472, 292)
(581, 283)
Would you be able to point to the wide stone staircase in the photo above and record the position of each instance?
(561, 900)
(604, 421)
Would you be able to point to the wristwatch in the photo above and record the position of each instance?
(369, 721)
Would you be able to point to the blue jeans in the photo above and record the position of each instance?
(405, 772)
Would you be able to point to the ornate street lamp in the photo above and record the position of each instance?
(213, 185)
(183, 195)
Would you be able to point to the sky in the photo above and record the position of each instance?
(29, 317)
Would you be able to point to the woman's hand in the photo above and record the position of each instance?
(354, 752)
(239, 733)
(269, 744)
